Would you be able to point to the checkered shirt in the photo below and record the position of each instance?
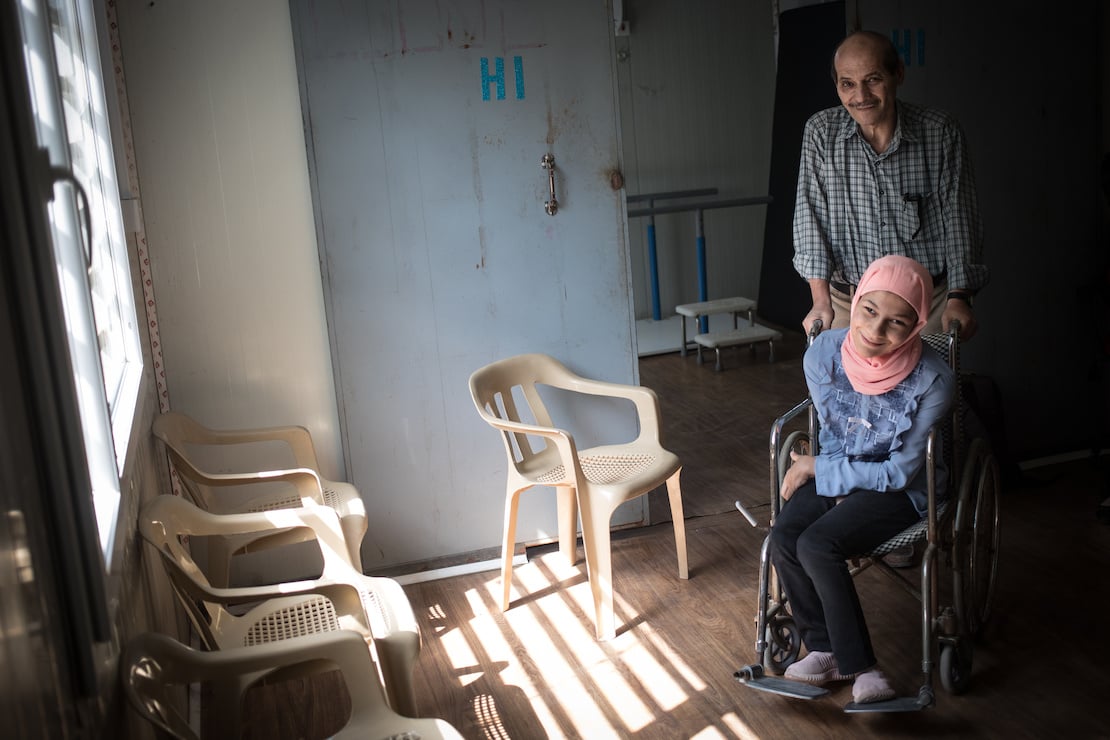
(916, 199)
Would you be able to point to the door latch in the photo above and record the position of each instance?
(548, 163)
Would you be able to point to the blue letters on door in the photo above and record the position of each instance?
(498, 77)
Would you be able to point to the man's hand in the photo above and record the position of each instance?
(797, 475)
(961, 311)
(822, 306)
(824, 314)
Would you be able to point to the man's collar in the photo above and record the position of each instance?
(849, 127)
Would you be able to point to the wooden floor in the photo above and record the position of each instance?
(1041, 670)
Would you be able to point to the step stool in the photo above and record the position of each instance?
(749, 335)
(734, 306)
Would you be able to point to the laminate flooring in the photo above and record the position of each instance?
(1040, 668)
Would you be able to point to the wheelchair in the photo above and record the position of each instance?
(961, 535)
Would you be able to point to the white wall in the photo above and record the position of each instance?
(220, 151)
(696, 84)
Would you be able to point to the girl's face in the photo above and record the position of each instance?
(881, 322)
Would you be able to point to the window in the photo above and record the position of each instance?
(72, 119)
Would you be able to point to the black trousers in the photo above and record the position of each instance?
(811, 540)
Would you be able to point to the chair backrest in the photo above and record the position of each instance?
(176, 431)
(506, 390)
(203, 457)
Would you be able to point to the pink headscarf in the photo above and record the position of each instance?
(911, 282)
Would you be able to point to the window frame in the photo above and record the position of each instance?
(89, 238)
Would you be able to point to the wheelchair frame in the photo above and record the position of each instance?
(966, 534)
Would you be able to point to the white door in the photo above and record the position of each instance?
(426, 125)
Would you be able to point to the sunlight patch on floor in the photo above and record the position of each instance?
(462, 657)
(607, 689)
(738, 728)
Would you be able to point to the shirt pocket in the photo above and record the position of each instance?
(921, 219)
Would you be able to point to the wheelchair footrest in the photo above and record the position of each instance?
(924, 700)
(753, 676)
(897, 704)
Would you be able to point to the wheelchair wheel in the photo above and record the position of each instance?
(796, 441)
(955, 666)
(784, 642)
(979, 534)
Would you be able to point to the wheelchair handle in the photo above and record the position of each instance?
(814, 330)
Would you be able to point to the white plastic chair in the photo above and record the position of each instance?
(591, 482)
(185, 440)
(341, 598)
(156, 671)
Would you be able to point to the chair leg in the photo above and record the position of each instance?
(674, 493)
(567, 499)
(354, 529)
(599, 569)
(397, 657)
(508, 544)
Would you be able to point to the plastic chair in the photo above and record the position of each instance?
(156, 671)
(591, 482)
(182, 435)
(341, 598)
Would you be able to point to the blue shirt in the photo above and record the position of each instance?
(876, 443)
(915, 199)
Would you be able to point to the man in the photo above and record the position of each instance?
(881, 176)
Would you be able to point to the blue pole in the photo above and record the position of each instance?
(653, 259)
(703, 284)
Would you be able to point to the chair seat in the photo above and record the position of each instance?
(293, 617)
(603, 467)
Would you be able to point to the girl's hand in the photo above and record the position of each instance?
(798, 474)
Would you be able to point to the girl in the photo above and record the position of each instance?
(878, 390)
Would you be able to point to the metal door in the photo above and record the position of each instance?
(427, 125)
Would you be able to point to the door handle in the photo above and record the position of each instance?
(548, 163)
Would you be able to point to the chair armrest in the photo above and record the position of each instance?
(516, 427)
(166, 515)
(180, 663)
(644, 398)
(343, 591)
(307, 482)
(562, 439)
(345, 596)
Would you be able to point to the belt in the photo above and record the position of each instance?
(850, 288)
